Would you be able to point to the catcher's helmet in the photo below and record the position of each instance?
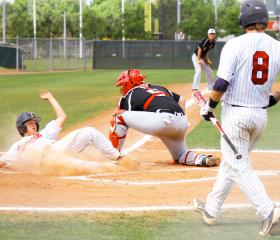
(24, 117)
(253, 11)
(129, 79)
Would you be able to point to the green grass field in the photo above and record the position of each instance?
(167, 225)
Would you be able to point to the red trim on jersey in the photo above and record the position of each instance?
(32, 140)
(149, 100)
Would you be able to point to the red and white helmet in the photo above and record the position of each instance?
(129, 79)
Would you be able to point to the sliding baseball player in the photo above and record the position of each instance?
(45, 140)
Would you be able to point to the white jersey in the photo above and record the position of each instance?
(250, 63)
(37, 141)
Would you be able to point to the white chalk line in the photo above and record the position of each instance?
(159, 182)
(154, 208)
(153, 171)
(254, 151)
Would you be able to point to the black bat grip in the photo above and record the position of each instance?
(238, 155)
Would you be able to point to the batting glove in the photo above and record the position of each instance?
(206, 112)
(273, 99)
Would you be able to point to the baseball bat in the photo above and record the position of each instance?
(201, 102)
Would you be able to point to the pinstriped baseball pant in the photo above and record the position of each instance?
(244, 127)
(80, 139)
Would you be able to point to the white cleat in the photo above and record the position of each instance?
(269, 224)
(200, 207)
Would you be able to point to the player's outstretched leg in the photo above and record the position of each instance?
(80, 139)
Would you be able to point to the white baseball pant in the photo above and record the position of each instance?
(244, 127)
(170, 128)
(198, 69)
(79, 139)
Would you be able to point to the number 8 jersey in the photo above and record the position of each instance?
(250, 63)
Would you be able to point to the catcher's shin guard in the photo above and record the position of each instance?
(192, 158)
(118, 131)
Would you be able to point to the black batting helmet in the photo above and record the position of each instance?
(24, 117)
(253, 11)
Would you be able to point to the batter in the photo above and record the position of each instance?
(249, 65)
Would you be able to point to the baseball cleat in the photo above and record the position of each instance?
(269, 224)
(210, 161)
(200, 207)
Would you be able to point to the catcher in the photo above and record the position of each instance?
(201, 60)
(45, 143)
(156, 111)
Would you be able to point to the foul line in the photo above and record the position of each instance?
(219, 150)
(116, 209)
(153, 183)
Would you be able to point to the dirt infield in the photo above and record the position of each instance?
(158, 182)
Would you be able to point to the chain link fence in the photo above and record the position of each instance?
(149, 54)
(53, 54)
(71, 54)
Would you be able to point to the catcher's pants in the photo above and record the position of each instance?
(244, 127)
(170, 128)
(79, 139)
(197, 76)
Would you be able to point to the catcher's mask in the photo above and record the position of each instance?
(129, 79)
(23, 118)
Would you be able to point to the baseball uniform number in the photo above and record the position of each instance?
(260, 67)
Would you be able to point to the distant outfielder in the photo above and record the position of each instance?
(201, 60)
(156, 111)
(75, 142)
(249, 65)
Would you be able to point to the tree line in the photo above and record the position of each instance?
(102, 19)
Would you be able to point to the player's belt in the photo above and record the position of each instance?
(233, 105)
(170, 111)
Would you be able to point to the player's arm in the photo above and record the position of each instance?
(182, 102)
(199, 55)
(225, 74)
(61, 116)
(208, 60)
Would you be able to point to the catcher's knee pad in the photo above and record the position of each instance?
(118, 131)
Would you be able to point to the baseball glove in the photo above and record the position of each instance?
(208, 61)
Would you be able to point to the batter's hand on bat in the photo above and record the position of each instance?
(45, 94)
(206, 112)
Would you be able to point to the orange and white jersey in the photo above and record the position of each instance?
(250, 63)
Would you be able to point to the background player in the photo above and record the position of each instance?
(249, 65)
(201, 60)
(156, 111)
(45, 140)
